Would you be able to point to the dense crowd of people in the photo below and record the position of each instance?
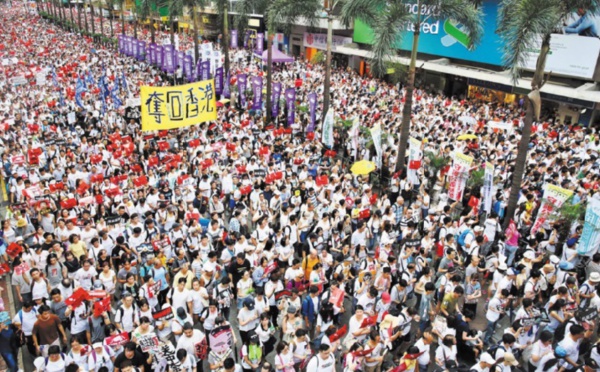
(129, 256)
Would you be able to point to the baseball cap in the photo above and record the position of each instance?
(249, 303)
(510, 359)
(487, 358)
(385, 297)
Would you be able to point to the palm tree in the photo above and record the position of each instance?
(145, 10)
(78, 14)
(522, 24)
(92, 17)
(223, 12)
(72, 17)
(389, 19)
(101, 7)
(192, 5)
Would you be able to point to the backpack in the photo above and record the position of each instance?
(94, 353)
(18, 332)
(559, 333)
(461, 238)
(494, 348)
(62, 356)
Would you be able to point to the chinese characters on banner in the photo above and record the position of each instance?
(458, 175)
(178, 106)
(488, 185)
(328, 128)
(290, 104)
(221, 339)
(148, 342)
(375, 135)
(414, 158)
(276, 97)
(590, 237)
(312, 109)
(242, 84)
(234, 39)
(260, 40)
(554, 198)
(257, 86)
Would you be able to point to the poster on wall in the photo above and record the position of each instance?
(574, 51)
(574, 48)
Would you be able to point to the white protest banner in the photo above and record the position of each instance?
(148, 342)
(458, 175)
(328, 128)
(415, 156)
(590, 237)
(71, 118)
(554, 198)
(354, 133)
(488, 183)
(501, 125)
(376, 136)
(40, 79)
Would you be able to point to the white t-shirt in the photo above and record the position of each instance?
(244, 315)
(180, 299)
(424, 358)
(539, 349)
(496, 304)
(59, 366)
(318, 364)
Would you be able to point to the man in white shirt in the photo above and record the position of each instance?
(322, 362)
(485, 362)
(190, 338)
(571, 345)
(495, 309)
(424, 345)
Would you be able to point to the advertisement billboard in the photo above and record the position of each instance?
(574, 48)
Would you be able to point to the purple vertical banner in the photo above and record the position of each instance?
(121, 43)
(257, 86)
(206, 69)
(242, 80)
(152, 53)
(260, 40)
(290, 103)
(312, 109)
(276, 97)
(180, 59)
(134, 50)
(160, 56)
(141, 50)
(126, 42)
(234, 39)
(199, 70)
(226, 87)
(168, 59)
(130, 46)
(188, 64)
(246, 38)
(219, 81)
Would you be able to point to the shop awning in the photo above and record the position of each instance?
(278, 56)
(582, 93)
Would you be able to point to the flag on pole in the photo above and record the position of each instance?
(328, 129)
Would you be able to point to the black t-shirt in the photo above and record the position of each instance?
(137, 360)
(461, 327)
(237, 271)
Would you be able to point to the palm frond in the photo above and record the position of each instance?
(387, 30)
(521, 24)
(365, 10)
(290, 11)
(466, 13)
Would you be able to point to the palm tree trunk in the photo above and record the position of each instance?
(72, 17)
(123, 17)
(269, 72)
(110, 20)
(101, 19)
(226, 38)
(172, 22)
(410, 88)
(92, 18)
(85, 18)
(536, 84)
(195, 34)
(78, 16)
(327, 82)
(135, 24)
(152, 30)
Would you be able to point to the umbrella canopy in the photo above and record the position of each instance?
(363, 167)
(466, 137)
(278, 56)
(224, 100)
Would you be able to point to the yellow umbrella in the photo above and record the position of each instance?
(224, 100)
(363, 167)
(466, 136)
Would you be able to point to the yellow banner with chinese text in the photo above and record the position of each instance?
(178, 106)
